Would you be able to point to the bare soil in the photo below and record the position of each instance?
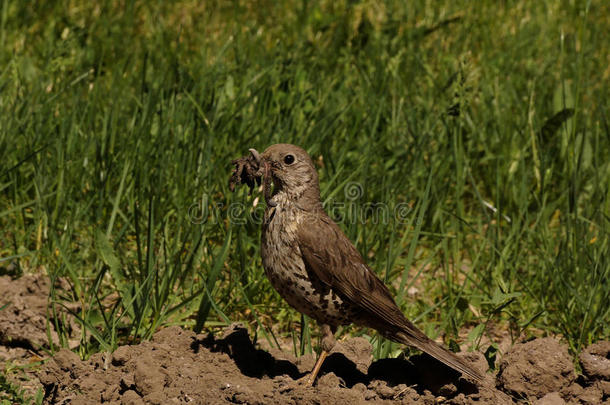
(179, 366)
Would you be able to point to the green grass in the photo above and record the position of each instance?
(11, 392)
(119, 119)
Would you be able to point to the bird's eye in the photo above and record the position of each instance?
(289, 159)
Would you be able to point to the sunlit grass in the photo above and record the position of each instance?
(119, 121)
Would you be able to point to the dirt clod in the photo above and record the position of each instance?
(179, 366)
(595, 360)
(357, 350)
(535, 368)
(330, 380)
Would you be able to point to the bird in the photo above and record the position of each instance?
(316, 268)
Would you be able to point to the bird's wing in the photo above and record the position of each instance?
(331, 256)
(333, 259)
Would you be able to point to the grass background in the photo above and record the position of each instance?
(479, 128)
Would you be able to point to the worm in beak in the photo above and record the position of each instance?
(264, 167)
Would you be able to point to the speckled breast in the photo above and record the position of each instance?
(287, 273)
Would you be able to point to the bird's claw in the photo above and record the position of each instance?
(306, 381)
(303, 382)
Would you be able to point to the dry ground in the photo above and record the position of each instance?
(178, 366)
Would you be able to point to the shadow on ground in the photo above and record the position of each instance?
(179, 366)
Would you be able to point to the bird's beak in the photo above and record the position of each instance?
(256, 156)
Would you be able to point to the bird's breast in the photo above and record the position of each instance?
(286, 270)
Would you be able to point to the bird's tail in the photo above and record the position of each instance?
(411, 336)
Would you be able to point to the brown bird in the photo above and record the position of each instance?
(315, 267)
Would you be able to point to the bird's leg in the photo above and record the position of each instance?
(311, 377)
(328, 342)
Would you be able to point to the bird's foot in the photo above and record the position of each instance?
(309, 379)
(303, 382)
(306, 381)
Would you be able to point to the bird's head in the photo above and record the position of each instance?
(292, 171)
